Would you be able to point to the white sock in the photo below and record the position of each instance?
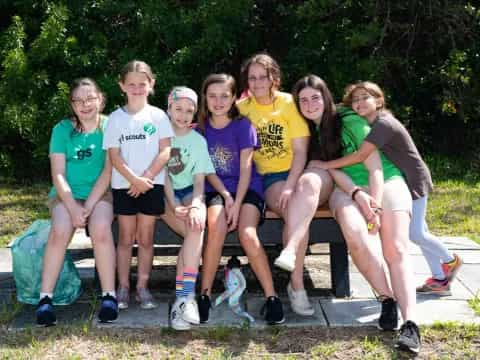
(111, 293)
(43, 294)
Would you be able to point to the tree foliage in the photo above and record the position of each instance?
(424, 53)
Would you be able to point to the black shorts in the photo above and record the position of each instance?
(151, 203)
(251, 197)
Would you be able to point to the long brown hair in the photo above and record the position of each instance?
(77, 83)
(329, 138)
(203, 113)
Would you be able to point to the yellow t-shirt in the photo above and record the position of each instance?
(276, 124)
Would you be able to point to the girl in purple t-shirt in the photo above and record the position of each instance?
(234, 195)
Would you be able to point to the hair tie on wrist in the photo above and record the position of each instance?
(354, 192)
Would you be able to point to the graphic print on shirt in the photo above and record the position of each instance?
(178, 158)
(149, 129)
(81, 154)
(221, 157)
(271, 138)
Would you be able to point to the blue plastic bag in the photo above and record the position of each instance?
(27, 255)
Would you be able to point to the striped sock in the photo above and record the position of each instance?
(189, 280)
(178, 286)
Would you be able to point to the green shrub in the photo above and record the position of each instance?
(425, 54)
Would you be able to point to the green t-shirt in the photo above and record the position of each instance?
(84, 156)
(188, 156)
(354, 130)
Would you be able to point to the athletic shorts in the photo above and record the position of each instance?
(251, 197)
(151, 203)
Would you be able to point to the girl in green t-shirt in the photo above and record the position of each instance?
(79, 198)
(343, 133)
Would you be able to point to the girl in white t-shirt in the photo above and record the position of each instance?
(138, 139)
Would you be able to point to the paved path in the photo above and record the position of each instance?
(360, 310)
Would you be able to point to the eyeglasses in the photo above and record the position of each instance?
(84, 102)
(357, 99)
(261, 78)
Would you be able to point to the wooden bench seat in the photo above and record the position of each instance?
(323, 229)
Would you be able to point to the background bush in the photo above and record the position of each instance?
(425, 53)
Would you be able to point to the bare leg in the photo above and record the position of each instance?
(217, 230)
(362, 251)
(247, 231)
(179, 227)
(192, 246)
(144, 234)
(127, 229)
(58, 239)
(394, 234)
(313, 188)
(100, 226)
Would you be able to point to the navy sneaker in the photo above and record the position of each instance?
(108, 309)
(388, 320)
(204, 306)
(273, 311)
(45, 314)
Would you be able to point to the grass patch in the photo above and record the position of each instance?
(21, 205)
(454, 209)
(474, 303)
(441, 341)
(9, 310)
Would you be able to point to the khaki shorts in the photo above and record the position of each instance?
(396, 197)
(55, 200)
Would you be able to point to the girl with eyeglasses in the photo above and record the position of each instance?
(81, 172)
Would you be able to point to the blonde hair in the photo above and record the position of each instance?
(137, 66)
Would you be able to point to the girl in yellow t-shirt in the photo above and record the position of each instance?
(284, 137)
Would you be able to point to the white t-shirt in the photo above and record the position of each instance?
(138, 138)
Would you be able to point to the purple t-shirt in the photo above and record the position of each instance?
(225, 145)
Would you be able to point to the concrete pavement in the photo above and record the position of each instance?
(360, 310)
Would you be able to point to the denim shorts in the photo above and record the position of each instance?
(181, 194)
(271, 178)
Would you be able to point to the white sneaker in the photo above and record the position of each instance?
(176, 319)
(299, 301)
(190, 310)
(286, 261)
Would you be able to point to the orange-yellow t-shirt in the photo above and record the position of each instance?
(276, 124)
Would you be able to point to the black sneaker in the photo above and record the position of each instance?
(409, 337)
(273, 310)
(108, 309)
(388, 320)
(45, 314)
(204, 306)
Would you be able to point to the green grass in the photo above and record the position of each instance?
(20, 206)
(9, 310)
(441, 341)
(474, 303)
